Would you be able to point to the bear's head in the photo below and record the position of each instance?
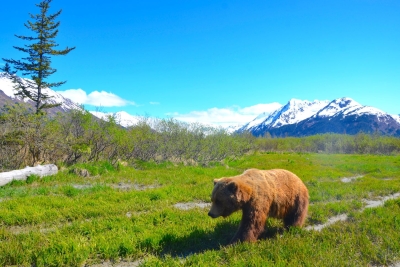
(227, 197)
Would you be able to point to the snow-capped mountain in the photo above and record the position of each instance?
(7, 96)
(343, 104)
(296, 118)
(122, 118)
(293, 112)
(342, 115)
(396, 117)
(7, 92)
(346, 107)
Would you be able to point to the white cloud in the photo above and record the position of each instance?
(260, 108)
(225, 117)
(95, 98)
(154, 103)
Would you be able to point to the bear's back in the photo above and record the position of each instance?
(274, 178)
(277, 188)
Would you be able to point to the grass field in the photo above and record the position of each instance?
(128, 216)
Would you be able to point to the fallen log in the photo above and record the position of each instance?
(45, 170)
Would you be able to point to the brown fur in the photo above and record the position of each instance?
(260, 194)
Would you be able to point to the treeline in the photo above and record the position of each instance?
(360, 143)
(27, 138)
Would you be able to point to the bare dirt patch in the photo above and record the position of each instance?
(332, 220)
(82, 186)
(351, 179)
(129, 214)
(380, 201)
(16, 230)
(120, 186)
(118, 264)
(42, 228)
(133, 186)
(343, 217)
(192, 205)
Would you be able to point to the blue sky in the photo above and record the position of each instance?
(219, 60)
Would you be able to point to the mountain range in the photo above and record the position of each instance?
(296, 118)
(342, 115)
(7, 96)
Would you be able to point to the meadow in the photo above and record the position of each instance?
(128, 215)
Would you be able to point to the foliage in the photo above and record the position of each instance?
(360, 143)
(27, 138)
(79, 137)
(37, 64)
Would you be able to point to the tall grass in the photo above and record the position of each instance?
(128, 214)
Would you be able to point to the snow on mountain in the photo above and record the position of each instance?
(346, 106)
(232, 128)
(258, 120)
(7, 86)
(122, 118)
(343, 105)
(296, 115)
(365, 110)
(271, 109)
(293, 112)
(396, 118)
(297, 110)
(298, 118)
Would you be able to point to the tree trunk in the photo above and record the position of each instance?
(45, 170)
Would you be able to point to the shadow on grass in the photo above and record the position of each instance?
(200, 241)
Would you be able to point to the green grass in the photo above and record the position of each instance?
(67, 220)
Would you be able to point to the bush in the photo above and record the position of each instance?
(27, 138)
(333, 143)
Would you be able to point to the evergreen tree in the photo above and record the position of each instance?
(37, 64)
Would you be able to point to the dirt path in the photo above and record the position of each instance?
(118, 264)
(370, 203)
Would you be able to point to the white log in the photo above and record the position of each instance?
(45, 170)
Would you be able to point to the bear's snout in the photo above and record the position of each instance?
(212, 215)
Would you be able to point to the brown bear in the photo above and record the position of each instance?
(260, 193)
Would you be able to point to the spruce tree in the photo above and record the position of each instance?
(37, 64)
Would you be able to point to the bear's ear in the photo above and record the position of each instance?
(216, 181)
(232, 187)
(243, 193)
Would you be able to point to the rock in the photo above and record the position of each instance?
(81, 172)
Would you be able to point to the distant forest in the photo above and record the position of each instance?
(27, 138)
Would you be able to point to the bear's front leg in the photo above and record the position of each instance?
(251, 226)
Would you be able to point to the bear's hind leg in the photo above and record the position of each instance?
(297, 216)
